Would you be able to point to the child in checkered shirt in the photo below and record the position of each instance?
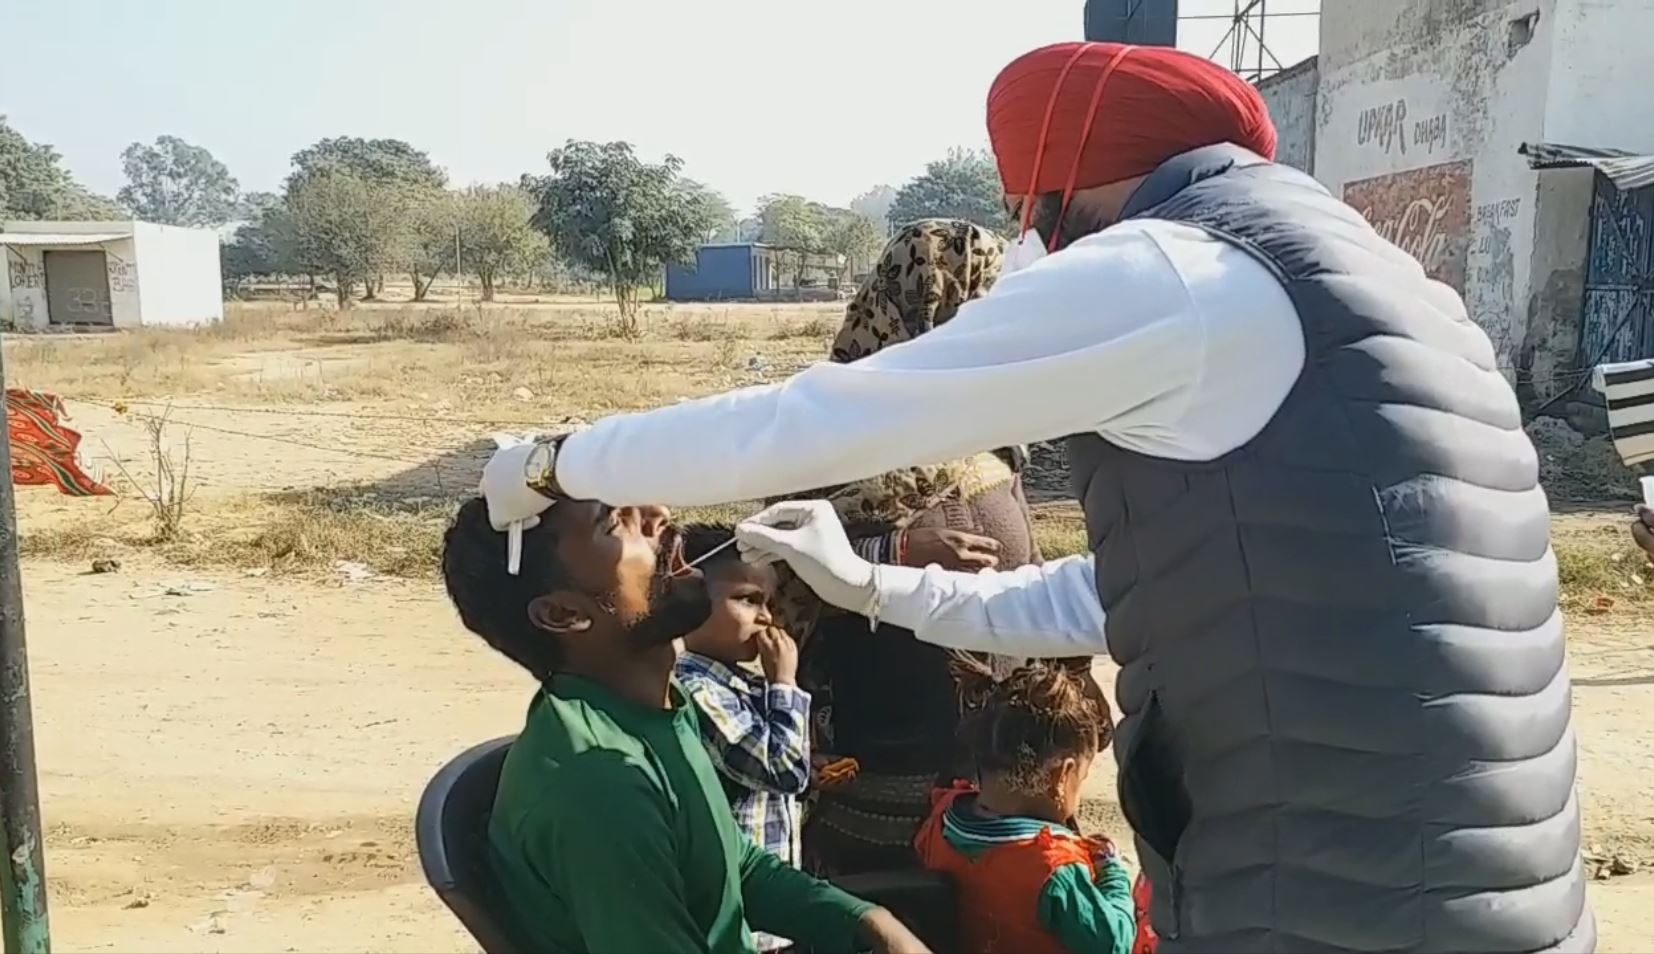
(755, 727)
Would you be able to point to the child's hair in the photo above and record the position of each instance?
(699, 539)
(1015, 727)
(493, 603)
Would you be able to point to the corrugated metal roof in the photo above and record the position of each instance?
(60, 238)
(1626, 170)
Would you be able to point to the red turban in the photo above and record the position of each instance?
(1122, 109)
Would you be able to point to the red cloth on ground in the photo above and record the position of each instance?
(43, 451)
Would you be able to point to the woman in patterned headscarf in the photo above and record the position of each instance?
(882, 698)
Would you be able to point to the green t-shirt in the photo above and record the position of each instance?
(611, 833)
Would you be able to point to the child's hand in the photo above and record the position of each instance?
(778, 654)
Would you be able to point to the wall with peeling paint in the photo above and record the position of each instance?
(1422, 106)
(1290, 95)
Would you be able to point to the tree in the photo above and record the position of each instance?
(383, 163)
(433, 224)
(965, 185)
(34, 185)
(175, 183)
(342, 225)
(379, 161)
(795, 226)
(258, 246)
(856, 237)
(711, 206)
(606, 210)
(496, 235)
(875, 204)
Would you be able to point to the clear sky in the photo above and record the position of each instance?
(824, 99)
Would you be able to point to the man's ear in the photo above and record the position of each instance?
(561, 613)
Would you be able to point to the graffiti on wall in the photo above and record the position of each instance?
(1385, 128)
(1425, 211)
(1490, 293)
(123, 275)
(24, 273)
(1430, 134)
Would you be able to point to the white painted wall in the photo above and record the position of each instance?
(1422, 106)
(1290, 95)
(161, 275)
(176, 275)
(120, 264)
(25, 302)
(1602, 58)
(26, 278)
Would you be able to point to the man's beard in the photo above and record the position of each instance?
(678, 601)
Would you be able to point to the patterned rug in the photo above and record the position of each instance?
(43, 451)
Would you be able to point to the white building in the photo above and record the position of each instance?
(1419, 108)
(108, 274)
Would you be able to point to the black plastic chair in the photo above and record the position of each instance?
(451, 830)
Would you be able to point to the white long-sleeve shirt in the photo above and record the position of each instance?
(1155, 335)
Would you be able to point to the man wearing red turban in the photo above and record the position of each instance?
(1321, 553)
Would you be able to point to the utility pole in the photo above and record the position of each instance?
(23, 870)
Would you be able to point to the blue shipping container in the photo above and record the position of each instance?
(720, 272)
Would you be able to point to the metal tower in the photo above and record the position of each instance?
(1244, 47)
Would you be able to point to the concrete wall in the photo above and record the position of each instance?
(1556, 286)
(1422, 106)
(161, 275)
(26, 274)
(25, 304)
(1291, 96)
(1602, 55)
(178, 270)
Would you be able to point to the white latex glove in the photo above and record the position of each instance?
(505, 485)
(808, 536)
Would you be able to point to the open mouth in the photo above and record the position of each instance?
(670, 562)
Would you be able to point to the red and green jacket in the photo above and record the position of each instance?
(1028, 886)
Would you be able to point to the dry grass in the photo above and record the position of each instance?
(477, 356)
(1599, 567)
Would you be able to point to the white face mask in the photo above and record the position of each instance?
(1023, 252)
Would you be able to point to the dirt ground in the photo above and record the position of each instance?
(231, 751)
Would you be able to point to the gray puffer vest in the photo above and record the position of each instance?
(1346, 710)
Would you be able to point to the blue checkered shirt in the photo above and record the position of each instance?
(759, 738)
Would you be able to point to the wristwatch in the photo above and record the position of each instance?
(540, 467)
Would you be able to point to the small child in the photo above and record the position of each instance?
(1028, 881)
(756, 728)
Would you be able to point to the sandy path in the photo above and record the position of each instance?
(235, 769)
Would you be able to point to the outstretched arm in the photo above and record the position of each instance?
(1102, 336)
(1045, 611)
(1048, 611)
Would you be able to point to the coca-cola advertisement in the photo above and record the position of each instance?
(1425, 211)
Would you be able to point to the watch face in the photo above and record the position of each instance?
(537, 468)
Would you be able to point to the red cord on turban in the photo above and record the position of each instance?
(1088, 114)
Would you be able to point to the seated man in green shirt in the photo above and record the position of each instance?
(611, 832)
